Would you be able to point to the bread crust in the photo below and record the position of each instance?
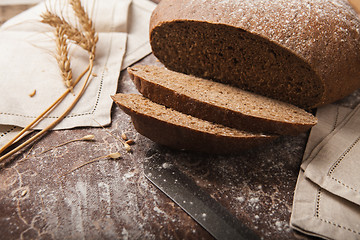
(188, 102)
(183, 137)
(324, 34)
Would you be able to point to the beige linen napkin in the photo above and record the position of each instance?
(138, 33)
(18, 2)
(7, 133)
(107, 15)
(37, 69)
(135, 22)
(335, 162)
(96, 103)
(317, 211)
(29, 64)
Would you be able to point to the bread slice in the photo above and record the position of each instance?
(220, 103)
(180, 131)
(301, 52)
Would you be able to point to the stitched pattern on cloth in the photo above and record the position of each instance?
(72, 115)
(343, 155)
(7, 132)
(317, 215)
(336, 118)
(339, 161)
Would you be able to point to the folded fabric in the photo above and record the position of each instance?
(29, 64)
(133, 20)
(18, 2)
(335, 163)
(107, 15)
(331, 117)
(34, 68)
(138, 45)
(128, 20)
(320, 213)
(7, 133)
(317, 211)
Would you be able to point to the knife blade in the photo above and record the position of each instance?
(205, 210)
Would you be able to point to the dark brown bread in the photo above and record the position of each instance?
(177, 130)
(219, 103)
(304, 52)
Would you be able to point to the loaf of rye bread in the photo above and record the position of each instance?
(181, 131)
(304, 52)
(219, 103)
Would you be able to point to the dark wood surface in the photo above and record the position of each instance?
(112, 199)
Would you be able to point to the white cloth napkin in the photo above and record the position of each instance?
(30, 65)
(327, 191)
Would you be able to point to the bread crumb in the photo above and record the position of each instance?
(124, 137)
(32, 94)
(130, 142)
(23, 193)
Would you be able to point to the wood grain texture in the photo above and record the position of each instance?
(112, 199)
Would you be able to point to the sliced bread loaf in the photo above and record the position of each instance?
(177, 130)
(219, 103)
(304, 52)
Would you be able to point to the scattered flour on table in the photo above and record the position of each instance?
(158, 210)
(253, 200)
(128, 175)
(125, 234)
(166, 165)
(240, 199)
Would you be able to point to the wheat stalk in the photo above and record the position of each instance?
(85, 138)
(115, 155)
(41, 116)
(54, 123)
(87, 41)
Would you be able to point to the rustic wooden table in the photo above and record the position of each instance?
(112, 199)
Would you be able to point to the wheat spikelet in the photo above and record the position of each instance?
(64, 32)
(86, 23)
(62, 57)
(71, 32)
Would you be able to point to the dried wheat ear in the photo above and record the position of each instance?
(86, 37)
